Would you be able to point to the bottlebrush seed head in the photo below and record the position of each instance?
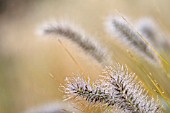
(117, 88)
(128, 36)
(128, 93)
(77, 36)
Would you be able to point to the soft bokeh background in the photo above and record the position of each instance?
(27, 59)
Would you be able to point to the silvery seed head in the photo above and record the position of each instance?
(77, 36)
(128, 93)
(119, 26)
(116, 89)
(153, 34)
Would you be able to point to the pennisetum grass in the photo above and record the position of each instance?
(155, 36)
(148, 28)
(117, 89)
(128, 36)
(77, 36)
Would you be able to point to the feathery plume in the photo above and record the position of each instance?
(128, 93)
(153, 34)
(116, 89)
(90, 46)
(118, 25)
(149, 30)
(96, 95)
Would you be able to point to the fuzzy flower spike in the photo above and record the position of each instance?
(77, 36)
(116, 89)
(128, 93)
(96, 95)
(128, 36)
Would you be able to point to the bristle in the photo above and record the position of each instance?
(127, 35)
(88, 44)
(117, 88)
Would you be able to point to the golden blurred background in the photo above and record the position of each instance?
(27, 60)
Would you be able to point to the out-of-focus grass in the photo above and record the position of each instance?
(26, 59)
